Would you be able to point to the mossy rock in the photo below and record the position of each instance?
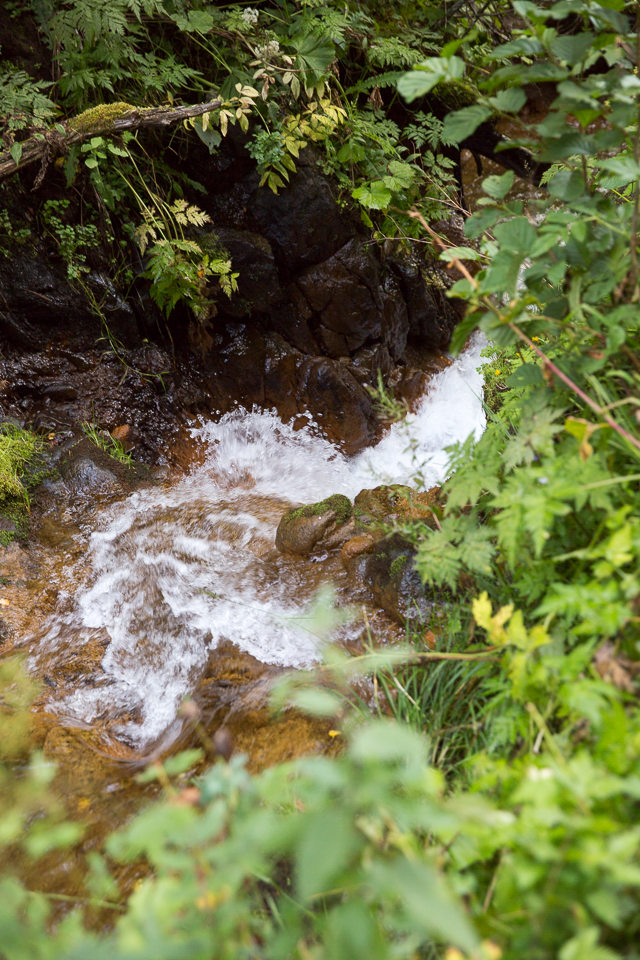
(387, 506)
(391, 576)
(326, 523)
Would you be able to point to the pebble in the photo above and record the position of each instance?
(60, 391)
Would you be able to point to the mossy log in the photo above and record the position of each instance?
(104, 120)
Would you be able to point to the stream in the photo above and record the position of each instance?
(171, 573)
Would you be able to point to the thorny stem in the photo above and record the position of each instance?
(576, 389)
(636, 196)
(548, 363)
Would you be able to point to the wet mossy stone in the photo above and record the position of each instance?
(326, 523)
(392, 504)
(390, 574)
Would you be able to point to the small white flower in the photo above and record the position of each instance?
(250, 16)
(543, 480)
(270, 49)
(539, 773)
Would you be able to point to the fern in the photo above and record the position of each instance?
(23, 103)
(392, 52)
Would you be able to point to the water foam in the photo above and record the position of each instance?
(176, 571)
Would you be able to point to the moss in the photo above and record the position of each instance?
(337, 502)
(397, 566)
(18, 448)
(23, 467)
(100, 118)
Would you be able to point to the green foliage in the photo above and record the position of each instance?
(72, 240)
(23, 103)
(178, 267)
(104, 440)
(18, 447)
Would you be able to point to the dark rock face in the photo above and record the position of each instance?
(39, 306)
(303, 224)
(317, 314)
(349, 304)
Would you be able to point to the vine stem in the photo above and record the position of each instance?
(576, 389)
(548, 363)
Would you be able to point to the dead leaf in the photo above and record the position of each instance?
(615, 670)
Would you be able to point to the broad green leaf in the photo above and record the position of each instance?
(510, 101)
(460, 253)
(572, 49)
(425, 899)
(16, 152)
(317, 702)
(461, 124)
(197, 21)
(498, 186)
(375, 196)
(426, 75)
(328, 843)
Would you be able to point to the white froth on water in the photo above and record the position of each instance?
(175, 571)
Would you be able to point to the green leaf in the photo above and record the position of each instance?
(374, 195)
(182, 761)
(351, 152)
(509, 101)
(572, 49)
(316, 54)
(460, 253)
(461, 124)
(387, 741)
(525, 376)
(622, 166)
(425, 899)
(317, 702)
(498, 186)
(426, 75)
(16, 152)
(327, 845)
(197, 21)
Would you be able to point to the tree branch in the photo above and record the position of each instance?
(107, 119)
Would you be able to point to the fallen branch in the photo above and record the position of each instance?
(107, 119)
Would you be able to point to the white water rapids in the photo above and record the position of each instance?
(175, 570)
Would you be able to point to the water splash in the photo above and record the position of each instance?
(178, 570)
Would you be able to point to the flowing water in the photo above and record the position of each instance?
(172, 573)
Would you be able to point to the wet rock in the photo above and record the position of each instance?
(252, 258)
(323, 524)
(87, 477)
(60, 391)
(390, 574)
(330, 393)
(90, 472)
(378, 509)
(355, 547)
(269, 372)
(38, 305)
(350, 304)
(303, 224)
(432, 317)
